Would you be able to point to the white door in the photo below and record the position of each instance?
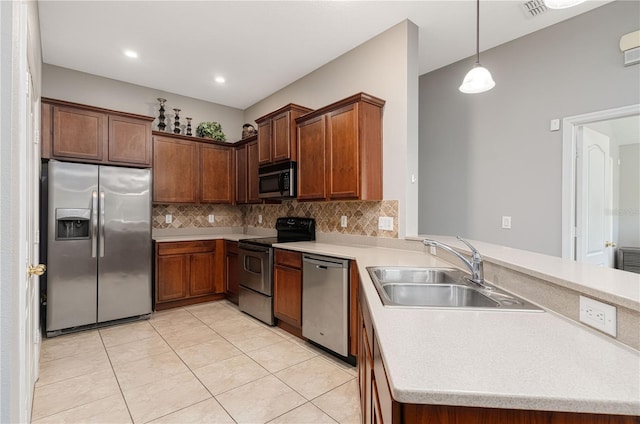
(594, 199)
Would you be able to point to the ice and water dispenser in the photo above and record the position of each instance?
(73, 224)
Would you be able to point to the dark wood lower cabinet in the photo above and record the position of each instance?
(378, 405)
(188, 272)
(232, 285)
(287, 290)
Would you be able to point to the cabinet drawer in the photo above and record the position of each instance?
(288, 258)
(182, 247)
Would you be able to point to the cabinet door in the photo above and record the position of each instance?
(311, 159)
(174, 171)
(215, 174)
(79, 134)
(264, 142)
(129, 141)
(281, 137)
(287, 295)
(173, 274)
(241, 174)
(202, 275)
(343, 165)
(252, 173)
(231, 272)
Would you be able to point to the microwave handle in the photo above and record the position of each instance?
(281, 182)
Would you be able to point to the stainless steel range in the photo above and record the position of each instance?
(255, 262)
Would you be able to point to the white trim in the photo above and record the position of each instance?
(569, 127)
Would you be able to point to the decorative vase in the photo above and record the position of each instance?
(161, 124)
(189, 126)
(176, 124)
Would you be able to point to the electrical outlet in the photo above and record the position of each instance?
(598, 315)
(432, 250)
(168, 218)
(259, 219)
(385, 223)
(211, 218)
(343, 221)
(506, 222)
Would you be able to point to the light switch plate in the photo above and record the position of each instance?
(385, 223)
(343, 221)
(259, 219)
(168, 218)
(211, 218)
(506, 222)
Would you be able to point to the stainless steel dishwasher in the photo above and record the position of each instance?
(325, 302)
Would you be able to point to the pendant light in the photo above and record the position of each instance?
(478, 79)
(562, 4)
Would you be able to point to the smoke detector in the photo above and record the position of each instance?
(534, 8)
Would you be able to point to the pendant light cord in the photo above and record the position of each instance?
(478, 32)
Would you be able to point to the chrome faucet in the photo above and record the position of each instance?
(474, 265)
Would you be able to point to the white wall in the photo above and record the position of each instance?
(492, 154)
(79, 87)
(385, 67)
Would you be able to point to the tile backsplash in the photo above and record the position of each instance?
(362, 216)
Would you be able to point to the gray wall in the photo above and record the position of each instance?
(66, 84)
(492, 154)
(629, 196)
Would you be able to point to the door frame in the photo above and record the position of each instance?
(569, 153)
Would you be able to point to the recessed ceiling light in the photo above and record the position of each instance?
(131, 54)
(220, 80)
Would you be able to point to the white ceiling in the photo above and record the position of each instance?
(261, 46)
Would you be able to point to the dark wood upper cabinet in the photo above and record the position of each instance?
(246, 171)
(190, 171)
(215, 174)
(81, 133)
(340, 150)
(277, 138)
(174, 170)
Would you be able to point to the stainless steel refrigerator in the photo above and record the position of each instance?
(98, 245)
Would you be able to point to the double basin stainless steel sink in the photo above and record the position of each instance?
(441, 288)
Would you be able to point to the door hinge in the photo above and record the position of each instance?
(37, 237)
(36, 136)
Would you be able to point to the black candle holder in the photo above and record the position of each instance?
(189, 126)
(161, 124)
(176, 124)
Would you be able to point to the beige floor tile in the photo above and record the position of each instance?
(268, 397)
(216, 305)
(181, 338)
(125, 333)
(305, 414)
(342, 403)
(73, 392)
(214, 316)
(254, 338)
(235, 325)
(180, 323)
(208, 411)
(163, 397)
(204, 354)
(70, 345)
(230, 373)
(148, 370)
(345, 366)
(110, 410)
(73, 366)
(314, 377)
(169, 315)
(281, 355)
(139, 349)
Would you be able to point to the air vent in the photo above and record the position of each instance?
(629, 259)
(534, 8)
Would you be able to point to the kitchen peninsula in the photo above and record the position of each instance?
(526, 364)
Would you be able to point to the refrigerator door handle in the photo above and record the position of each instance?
(101, 224)
(94, 223)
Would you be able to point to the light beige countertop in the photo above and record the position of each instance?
(495, 359)
(213, 233)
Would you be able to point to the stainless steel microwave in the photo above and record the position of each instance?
(277, 181)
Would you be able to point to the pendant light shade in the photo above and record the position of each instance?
(562, 4)
(478, 79)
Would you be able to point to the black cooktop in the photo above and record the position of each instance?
(289, 229)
